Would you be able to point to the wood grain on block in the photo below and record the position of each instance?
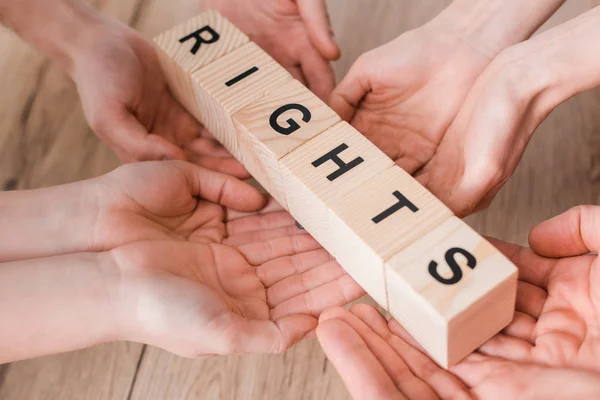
(273, 126)
(451, 290)
(381, 217)
(232, 83)
(192, 45)
(325, 172)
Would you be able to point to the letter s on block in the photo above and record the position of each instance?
(456, 271)
(293, 126)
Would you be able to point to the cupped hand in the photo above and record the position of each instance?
(510, 99)
(557, 322)
(128, 104)
(296, 33)
(551, 343)
(379, 360)
(237, 284)
(404, 95)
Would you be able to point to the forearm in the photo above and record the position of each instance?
(56, 27)
(555, 65)
(46, 222)
(57, 304)
(490, 26)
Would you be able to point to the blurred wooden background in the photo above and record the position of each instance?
(44, 140)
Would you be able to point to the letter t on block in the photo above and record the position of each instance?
(191, 46)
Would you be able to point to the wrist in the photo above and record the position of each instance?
(46, 222)
(490, 26)
(58, 28)
(57, 304)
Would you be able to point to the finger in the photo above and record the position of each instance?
(362, 373)
(572, 233)
(259, 222)
(318, 73)
(297, 74)
(125, 132)
(347, 96)
(260, 253)
(260, 336)
(522, 327)
(222, 189)
(301, 283)
(443, 383)
(337, 293)
(207, 148)
(530, 299)
(229, 166)
(392, 361)
(314, 13)
(275, 271)
(507, 347)
(533, 269)
(272, 206)
(174, 122)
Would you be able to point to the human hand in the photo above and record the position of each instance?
(296, 33)
(128, 104)
(243, 283)
(510, 99)
(556, 322)
(551, 340)
(260, 295)
(379, 360)
(405, 95)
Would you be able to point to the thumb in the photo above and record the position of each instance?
(314, 14)
(572, 233)
(134, 143)
(352, 89)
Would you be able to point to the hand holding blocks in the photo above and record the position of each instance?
(447, 285)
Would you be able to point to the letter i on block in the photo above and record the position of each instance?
(191, 46)
(451, 290)
(231, 83)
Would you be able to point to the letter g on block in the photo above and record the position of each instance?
(293, 126)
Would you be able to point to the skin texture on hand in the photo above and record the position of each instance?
(296, 33)
(133, 110)
(202, 279)
(515, 93)
(548, 351)
(405, 95)
(122, 87)
(179, 257)
(379, 360)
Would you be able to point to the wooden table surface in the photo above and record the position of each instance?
(44, 140)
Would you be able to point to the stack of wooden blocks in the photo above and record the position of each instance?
(448, 287)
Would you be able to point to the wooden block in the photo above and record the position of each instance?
(451, 290)
(275, 125)
(232, 83)
(323, 172)
(384, 215)
(191, 46)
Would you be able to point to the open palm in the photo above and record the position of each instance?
(201, 276)
(558, 306)
(548, 351)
